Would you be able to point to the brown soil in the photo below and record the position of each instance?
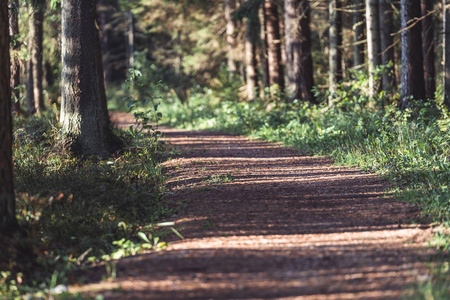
(264, 221)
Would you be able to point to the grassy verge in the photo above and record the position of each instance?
(411, 149)
(76, 213)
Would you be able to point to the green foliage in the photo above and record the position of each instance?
(409, 148)
(143, 101)
(219, 179)
(76, 212)
(436, 286)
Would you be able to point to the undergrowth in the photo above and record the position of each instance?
(410, 148)
(77, 212)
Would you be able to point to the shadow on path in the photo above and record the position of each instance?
(264, 221)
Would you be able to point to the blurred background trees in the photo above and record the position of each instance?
(266, 45)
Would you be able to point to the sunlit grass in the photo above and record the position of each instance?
(411, 149)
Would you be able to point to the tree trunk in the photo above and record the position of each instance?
(250, 57)
(85, 126)
(101, 76)
(35, 71)
(231, 41)
(264, 47)
(8, 222)
(299, 64)
(130, 40)
(386, 14)
(428, 48)
(446, 54)
(413, 84)
(276, 73)
(15, 61)
(358, 32)
(335, 55)
(102, 21)
(373, 42)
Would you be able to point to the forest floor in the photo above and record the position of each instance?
(260, 220)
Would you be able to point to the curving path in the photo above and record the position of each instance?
(264, 221)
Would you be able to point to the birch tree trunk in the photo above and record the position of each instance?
(85, 126)
(8, 222)
(413, 84)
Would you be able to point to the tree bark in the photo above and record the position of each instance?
(15, 61)
(8, 222)
(335, 55)
(428, 48)
(299, 64)
(413, 83)
(358, 32)
(101, 77)
(102, 21)
(264, 47)
(85, 126)
(130, 40)
(386, 14)
(446, 54)
(276, 72)
(250, 57)
(231, 40)
(35, 71)
(373, 42)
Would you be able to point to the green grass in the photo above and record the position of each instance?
(219, 179)
(78, 212)
(411, 149)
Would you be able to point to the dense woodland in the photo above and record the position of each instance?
(365, 81)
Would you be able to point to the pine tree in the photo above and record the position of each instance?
(85, 123)
(8, 222)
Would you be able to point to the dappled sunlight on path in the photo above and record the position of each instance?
(264, 221)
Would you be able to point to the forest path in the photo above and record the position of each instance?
(264, 221)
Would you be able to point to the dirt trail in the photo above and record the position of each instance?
(264, 221)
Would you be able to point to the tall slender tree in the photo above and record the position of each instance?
(8, 222)
(413, 83)
(335, 55)
(446, 54)
(386, 15)
(358, 32)
(15, 61)
(35, 70)
(129, 39)
(428, 47)
(85, 126)
(231, 40)
(276, 72)
(373, 42)
(264, 46)
(299, 64)
(251, 33)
